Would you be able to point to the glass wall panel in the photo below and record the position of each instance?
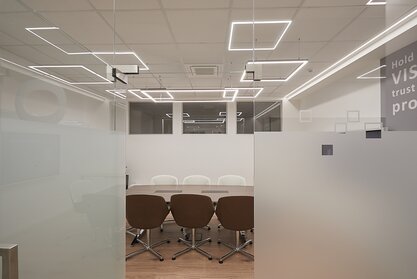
(150, 118)
(61, 178)
(335, 191)
(204, 118)
(267, 116)
(244, 117)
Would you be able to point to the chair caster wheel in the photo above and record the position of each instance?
(251, 230)
(209, 240)
(251, 242)
(161, 230)
(161, 260)
(168, 241)
(178, 241)
(210, 258)
(219, 242)
(220, 262)
(173, 258)
(208, 228)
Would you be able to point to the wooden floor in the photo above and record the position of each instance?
(191, 265)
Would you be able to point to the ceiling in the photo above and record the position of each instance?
(169, 36)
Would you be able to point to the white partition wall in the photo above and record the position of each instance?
(61, 179)
(349, 215)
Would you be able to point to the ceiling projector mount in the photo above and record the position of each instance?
(120, 72)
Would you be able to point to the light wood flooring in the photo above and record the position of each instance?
(191, 265)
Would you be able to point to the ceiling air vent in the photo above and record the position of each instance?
(204, 70)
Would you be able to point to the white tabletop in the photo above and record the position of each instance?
(215, 192)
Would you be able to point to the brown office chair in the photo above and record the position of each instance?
(146, 212)
(192, 211)
(236, 213)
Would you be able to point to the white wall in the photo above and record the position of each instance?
(330, 102)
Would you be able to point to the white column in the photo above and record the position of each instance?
(177, 118)
(231, 118)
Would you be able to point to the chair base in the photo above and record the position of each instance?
(193, 245)
(136, 236)
(148, 247)
(236, 249)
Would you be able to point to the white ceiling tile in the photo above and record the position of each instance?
(334, 51)
(107, 47)
(136, 27)
(11, 6)
(126, 4)
(31, 54)
(157, 53)
(58, 5)
(86, 27)
(7, 40)
(263, 14)
(356, 31)
(195, 4)
(199, 26)
(328, 13)
(202, 83)
(333, 3)
(320, 24)
(373, 11)
(202, 53)
(172, 68)
(14, 24)
(64, 58)
(294, 50)
(266, 3)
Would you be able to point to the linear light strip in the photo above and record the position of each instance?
(37, 68)
(370, 45)
(301, 62)
(287, 22)
(376, 3)
(363, 76)
(77, 89)
(184, 114)
(268, 109)
(119, 95)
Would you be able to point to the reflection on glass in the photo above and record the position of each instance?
(267, 116)
(150, 118)
(244, 117)
(204, 118)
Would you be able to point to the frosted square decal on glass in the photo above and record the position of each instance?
(353, 116)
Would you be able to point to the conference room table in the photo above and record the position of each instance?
(215, 192)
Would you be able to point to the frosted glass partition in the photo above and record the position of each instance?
(347, 215)
(61, 179)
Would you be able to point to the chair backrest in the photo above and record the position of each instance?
(191, 211)
(236, 212)
(146, 211)
(196, 180)
(164, 179)
(230, 179)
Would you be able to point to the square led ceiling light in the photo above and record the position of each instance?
(58, 39)
(190, 95)
(266, 34)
